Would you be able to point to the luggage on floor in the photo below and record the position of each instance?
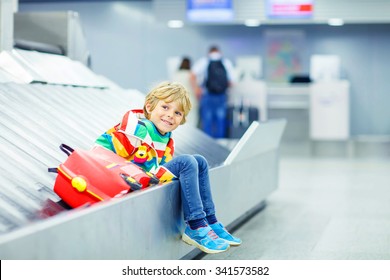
(90, 176)
(240, 116)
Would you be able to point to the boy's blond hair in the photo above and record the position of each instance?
(169, 92)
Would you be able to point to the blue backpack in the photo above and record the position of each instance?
(217, 81)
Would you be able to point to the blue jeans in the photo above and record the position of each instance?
(213, 114)
(193, 174)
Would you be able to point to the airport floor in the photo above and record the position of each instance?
(325, 208)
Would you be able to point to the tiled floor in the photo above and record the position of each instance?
(332, 209)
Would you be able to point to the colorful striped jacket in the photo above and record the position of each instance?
(136, 139)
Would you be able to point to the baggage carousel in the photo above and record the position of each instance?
(41, 109)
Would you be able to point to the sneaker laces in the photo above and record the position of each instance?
(212, 235)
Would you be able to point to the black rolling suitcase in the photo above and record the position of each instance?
(240, 118)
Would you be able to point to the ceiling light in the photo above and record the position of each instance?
(175, 24)
(335, 22)
(252, 22)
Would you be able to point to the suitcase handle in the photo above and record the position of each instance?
(52, 169)
(66, 149)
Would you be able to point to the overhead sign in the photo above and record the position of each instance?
(209, 10)
(290, 8)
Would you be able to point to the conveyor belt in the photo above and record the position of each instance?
(36, 118)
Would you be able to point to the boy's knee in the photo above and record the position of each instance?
(188, 159)
(202, 161)
(196, 161)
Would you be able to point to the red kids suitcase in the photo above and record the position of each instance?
(90, 176)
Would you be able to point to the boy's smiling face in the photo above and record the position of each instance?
(166, 116)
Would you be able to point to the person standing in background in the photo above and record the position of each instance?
(214, 75)
(185, 76)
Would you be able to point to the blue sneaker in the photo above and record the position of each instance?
(221, 231)
(205, 239)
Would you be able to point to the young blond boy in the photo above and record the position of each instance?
(165, 108)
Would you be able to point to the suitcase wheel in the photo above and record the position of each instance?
(134, 185)
(153, 179)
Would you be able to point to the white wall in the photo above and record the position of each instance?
(352, 11)
(130, 46)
